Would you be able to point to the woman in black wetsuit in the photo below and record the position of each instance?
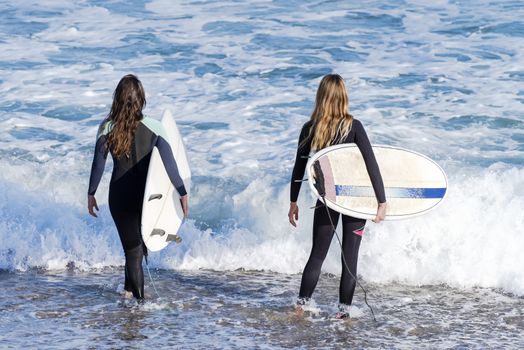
(130, 138)
(332, 124)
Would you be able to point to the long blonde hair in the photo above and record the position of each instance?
(126, 112)
(331, 121)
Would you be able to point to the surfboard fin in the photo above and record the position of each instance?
(157, 232)
(175, 238)
(155, 196)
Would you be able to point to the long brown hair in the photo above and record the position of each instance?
(126, 112)
(331, 121)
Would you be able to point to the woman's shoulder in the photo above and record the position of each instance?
(305, 131)
(356, 125)
(307, 125)
(357, 122)
(104, 128)
(154, 125)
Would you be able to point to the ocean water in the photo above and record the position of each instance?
(444, 78)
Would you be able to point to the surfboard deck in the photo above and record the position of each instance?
(162, 213)
(414, 183)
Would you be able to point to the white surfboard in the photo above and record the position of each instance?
(162, 213)
(414, 183)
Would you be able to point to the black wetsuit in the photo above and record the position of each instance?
(352, 228)
(126, 190)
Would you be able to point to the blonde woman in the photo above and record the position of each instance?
(332, 124)
(130, 138)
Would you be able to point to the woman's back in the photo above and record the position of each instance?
(130, 170)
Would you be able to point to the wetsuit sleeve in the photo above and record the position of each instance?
(300, 163)
(170, 164)
(99, 162)
(362, 141)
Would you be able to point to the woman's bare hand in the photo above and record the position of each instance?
(293, 213)
(381, 212)
(184, 201)
(91, 205)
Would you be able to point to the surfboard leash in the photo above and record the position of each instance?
(319, 185)
(345, 262)
(151, 278)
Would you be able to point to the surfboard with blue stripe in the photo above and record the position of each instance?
(391, 192)
(414, 183)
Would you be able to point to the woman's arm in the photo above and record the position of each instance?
(98, 165)
(362, 141)
(170, 164)
(301, 160)
(172, 171)
(97, 170)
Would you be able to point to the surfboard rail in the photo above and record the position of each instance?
(162, 213)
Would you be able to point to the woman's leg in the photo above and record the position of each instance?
(322, 235)
(128, 226)
(353, 229)
(135, 273)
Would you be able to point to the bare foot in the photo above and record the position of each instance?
(343, 312)
(299, 310)
(342, 315)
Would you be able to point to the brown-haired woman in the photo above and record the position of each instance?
(130, 138)
(332, 124)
